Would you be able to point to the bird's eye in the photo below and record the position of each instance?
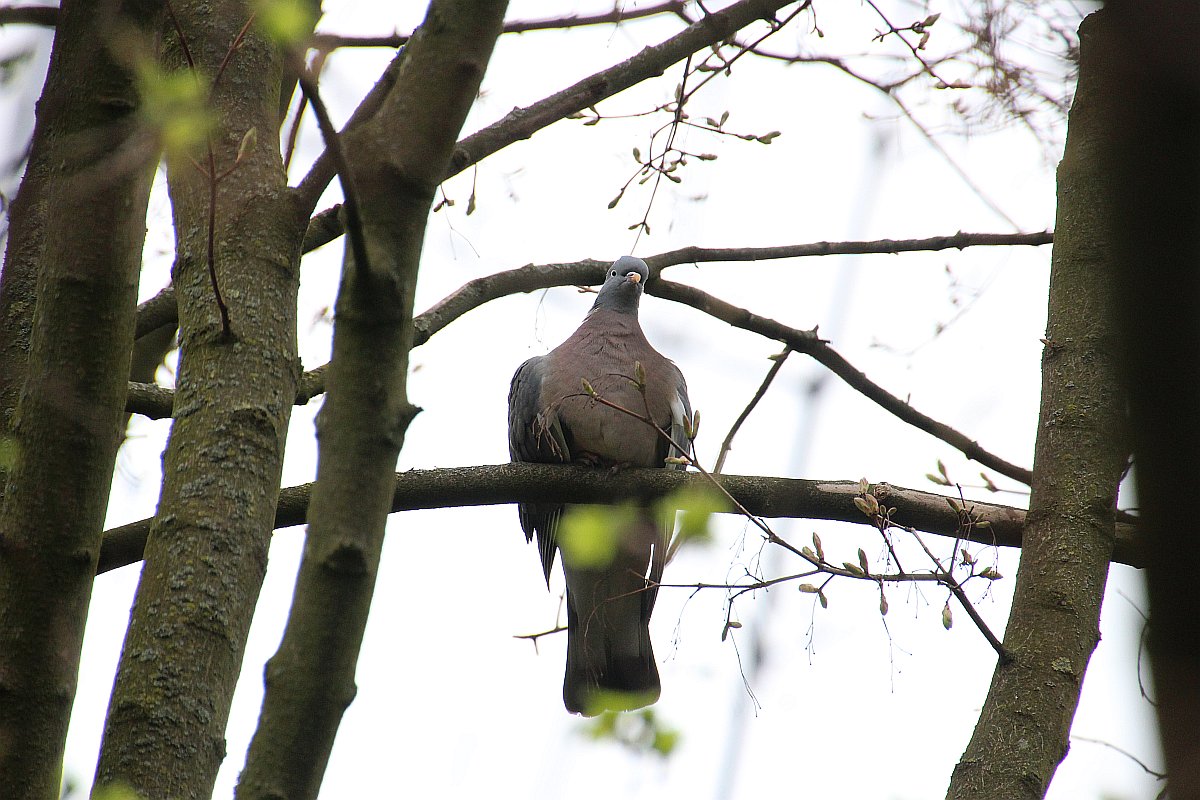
(612, 274)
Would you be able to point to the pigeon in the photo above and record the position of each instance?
(554, 417)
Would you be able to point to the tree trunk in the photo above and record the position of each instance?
(1053, 627)
(1155, 162)
(92, 161)
(207, 550)
(397, 161)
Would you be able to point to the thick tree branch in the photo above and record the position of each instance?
(206, 556)
(397, 158)
(64, 368)
(46, 16)
(1152, 160)
(763, 496)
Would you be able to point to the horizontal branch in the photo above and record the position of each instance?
(153, 313)
(156, 312)
(532, 277)
(329, 41)
(46, 16)
(542, 483)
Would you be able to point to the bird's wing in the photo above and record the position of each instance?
(681, 414)
(535, 435)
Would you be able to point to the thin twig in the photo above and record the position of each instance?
(522, 123)
(183, 43)
(233, 46)
(329, 41)
(676, 117)
(226, 328)
(727, 445)
(941, 576)
(899, 33)
(1162, 776)
(956, 589)
(333, 145)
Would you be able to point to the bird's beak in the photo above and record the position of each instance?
(636, 277)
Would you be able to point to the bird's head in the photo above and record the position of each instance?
(623, 285)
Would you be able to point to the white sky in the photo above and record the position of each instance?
(449, 703)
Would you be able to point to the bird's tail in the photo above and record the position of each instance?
(610, 659)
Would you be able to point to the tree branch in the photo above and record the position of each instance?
(809, 343)
(522, 123)
(543, 483)
(397, 159)
(531, 277)
(155, 403)
(1080, 455)
(78, 229)
(46, 16)
(727, 443)
(333, 146)
(328, 41)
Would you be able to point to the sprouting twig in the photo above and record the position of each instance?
(941, 575)
(881, 517)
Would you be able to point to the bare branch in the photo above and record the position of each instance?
(546, 483)
(329, 41)
(809, 343)
(155, 404)
(475, 293)
(156, 312)
(333, 146)
(727, 444)
(46, 16)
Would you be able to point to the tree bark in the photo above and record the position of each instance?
(207, 550)
(69, 359)
(1053, 627)
(397, 161)
(1153, 157)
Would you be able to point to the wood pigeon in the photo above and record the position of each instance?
(552, 419)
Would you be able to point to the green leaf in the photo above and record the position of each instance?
(176, 104)
(286, 21)
(589, 535)
(697, 505)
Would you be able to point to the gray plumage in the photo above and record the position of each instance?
(551, 419)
